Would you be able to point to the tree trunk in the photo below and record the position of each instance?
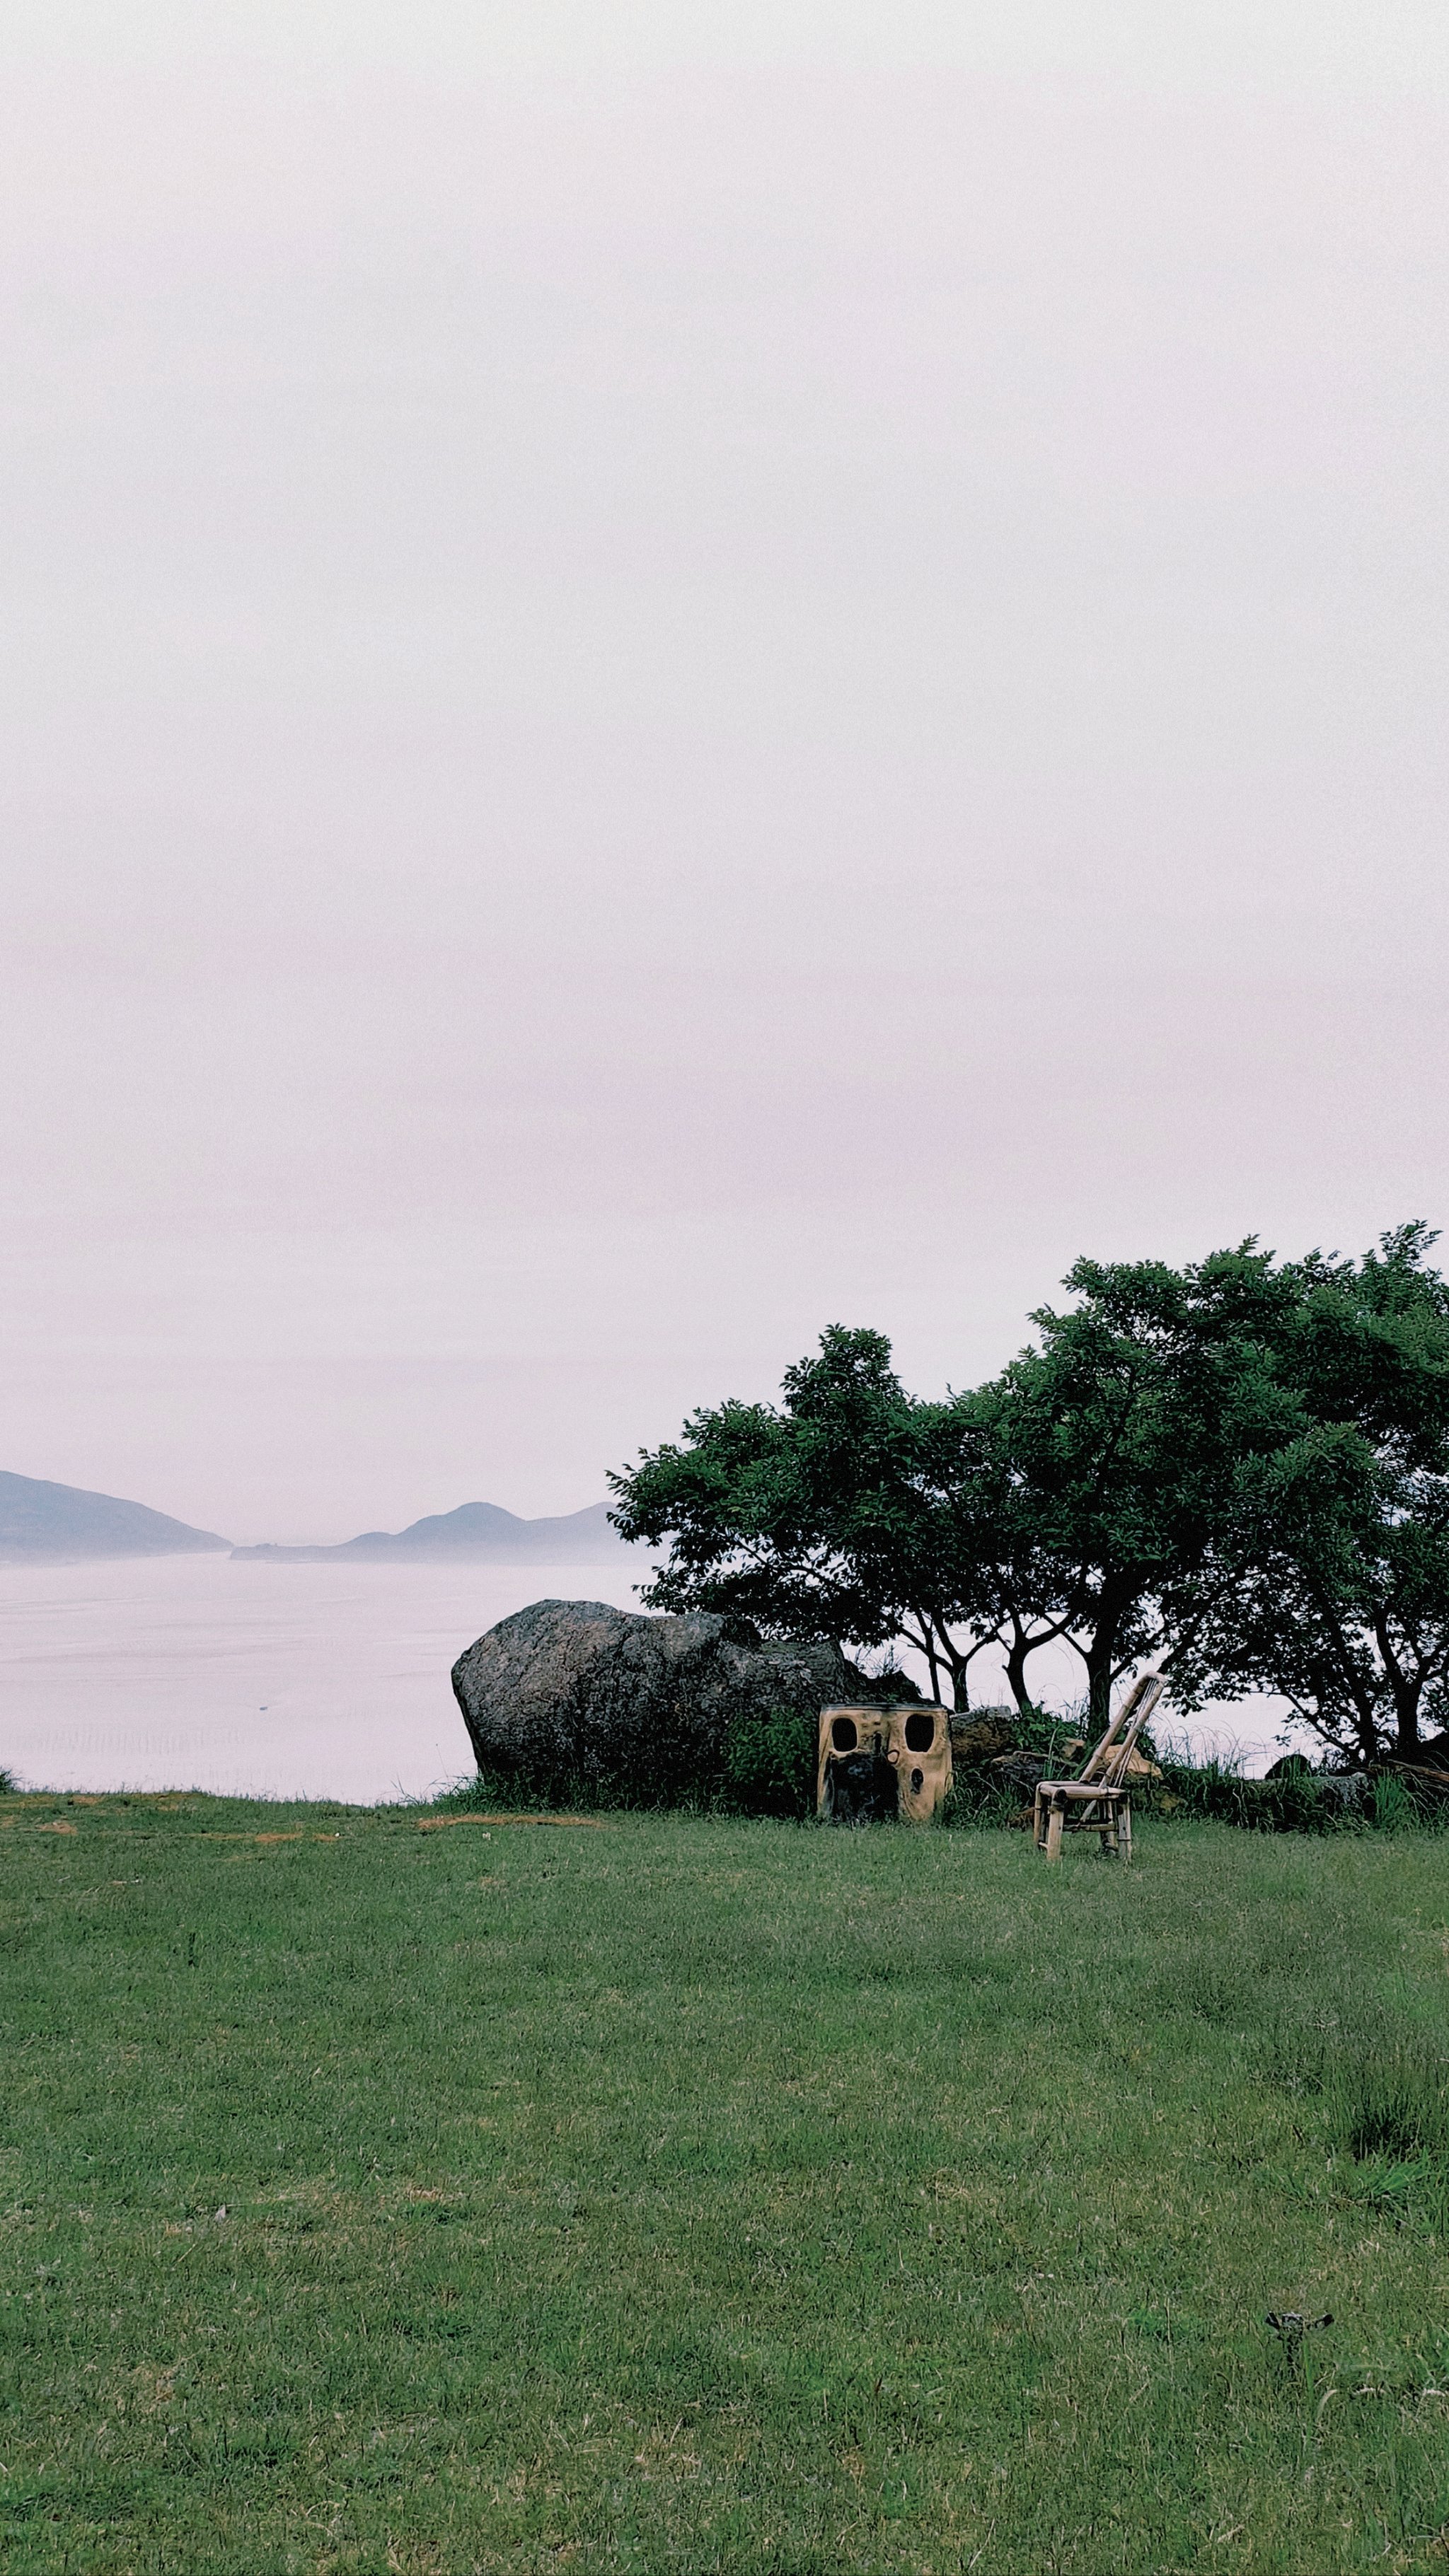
(1099, 1659)
(1021, 1646)
(1406, 1688)
(1406, 1715)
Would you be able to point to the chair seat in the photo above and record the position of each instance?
(1079, 1789)
(1082, 1807)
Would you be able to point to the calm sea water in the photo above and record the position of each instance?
(295, 1680)
(274, 1680)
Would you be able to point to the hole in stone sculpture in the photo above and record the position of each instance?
(920, 1731)
(843, 1735)
(918, 1779)
(863, 1790)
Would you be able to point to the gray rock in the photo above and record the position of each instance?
(574, 1699)
(888, 1689)
(1351, 1790)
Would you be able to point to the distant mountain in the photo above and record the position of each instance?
(480, 1532)
(45, 1524)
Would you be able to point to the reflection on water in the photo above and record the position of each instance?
(279, 1680)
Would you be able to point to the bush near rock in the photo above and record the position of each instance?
(576, 1702)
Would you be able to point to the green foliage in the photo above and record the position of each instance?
(1391, 2101)
(770, 1764)
(767, 1769)
(549, 1786)
(1301, 1802)
(1119, 1441)
(679, 2193)
(1239, 1469)
(1072, 1498)
(1394, 1805)
(843, 1513)
(1064, 1501)
(1384, 2103)
(979, 1796)
(992, 1788)
(1340, 1593)
(490, 1790)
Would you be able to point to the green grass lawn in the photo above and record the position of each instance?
(384, 2192)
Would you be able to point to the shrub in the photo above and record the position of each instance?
(769, 1767)
(1296, 1802)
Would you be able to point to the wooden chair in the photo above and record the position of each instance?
(1097, 1801)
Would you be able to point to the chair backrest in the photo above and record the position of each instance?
(1108, 1760)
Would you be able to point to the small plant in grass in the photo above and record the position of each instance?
(512, 1792)
(481, 1790)
(1391, 2100)
(1383, 2103)
(979, 1796)
(1393, 1805)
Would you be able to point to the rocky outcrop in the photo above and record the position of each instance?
(573, 1698)
(980, 1734)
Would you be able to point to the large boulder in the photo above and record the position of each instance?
(574, 1699)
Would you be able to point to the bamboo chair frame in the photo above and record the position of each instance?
(1097, 1801)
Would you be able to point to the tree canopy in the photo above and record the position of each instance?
(1239, 1468)
(1341, 1535)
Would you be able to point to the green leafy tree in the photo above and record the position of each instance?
(852, 1510)
(1119, 1442)
(1073, 1498)
(1240, 1468)
(1336, 1556)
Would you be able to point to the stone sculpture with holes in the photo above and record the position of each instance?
(880, 1763)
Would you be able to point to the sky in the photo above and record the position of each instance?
(671, 675)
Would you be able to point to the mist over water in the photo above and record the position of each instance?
(319, 1681)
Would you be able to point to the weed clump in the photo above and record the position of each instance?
(1390, 2100)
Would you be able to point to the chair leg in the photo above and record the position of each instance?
(1124, 1830)
(1054, 1833)
(1037, 1835)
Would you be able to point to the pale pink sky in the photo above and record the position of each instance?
(672, 675)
